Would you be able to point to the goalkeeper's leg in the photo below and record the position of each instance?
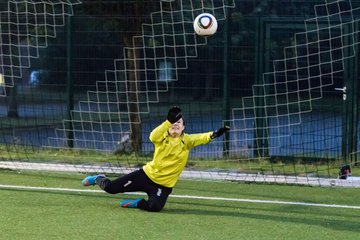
(133, 182)
(157, 200)
(158, 196)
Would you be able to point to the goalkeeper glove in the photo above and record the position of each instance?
(219, 132)
(174, 114)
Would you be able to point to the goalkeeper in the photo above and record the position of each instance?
(158, 177)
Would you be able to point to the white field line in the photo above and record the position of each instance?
(188, 197)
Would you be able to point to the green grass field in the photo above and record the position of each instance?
(49, 214)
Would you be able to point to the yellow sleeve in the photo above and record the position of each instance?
(157, 135)
(193, 140)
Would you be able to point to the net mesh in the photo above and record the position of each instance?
(261, 125)
(25, 27)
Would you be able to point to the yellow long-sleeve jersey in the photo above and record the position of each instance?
(171, 154)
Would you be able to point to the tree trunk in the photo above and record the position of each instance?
(133, 55)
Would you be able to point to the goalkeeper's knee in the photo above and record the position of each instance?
(154, 206)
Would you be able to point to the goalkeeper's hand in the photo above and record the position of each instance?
(219, 132)
(174, 114)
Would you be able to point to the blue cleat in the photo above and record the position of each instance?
(91, 180)
(130, 203)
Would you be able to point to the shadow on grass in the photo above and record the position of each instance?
(267, 207)
(313, 218)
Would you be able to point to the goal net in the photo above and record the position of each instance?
(101, 124)
(25, 28)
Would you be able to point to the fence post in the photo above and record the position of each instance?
(350, 112)
(226, 82)
(69, 85)
(353, 75)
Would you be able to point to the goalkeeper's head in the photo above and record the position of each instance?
(177, 128)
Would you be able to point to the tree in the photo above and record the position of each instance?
(133, 14)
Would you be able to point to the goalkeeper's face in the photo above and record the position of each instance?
(177, 128)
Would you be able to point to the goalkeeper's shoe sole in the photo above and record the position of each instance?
(130, 203)
(91, 180)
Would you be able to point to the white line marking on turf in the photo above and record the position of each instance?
(189, 197)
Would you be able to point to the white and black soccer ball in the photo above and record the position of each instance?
(205, 24)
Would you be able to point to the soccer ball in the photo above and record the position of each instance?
(205, 24)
